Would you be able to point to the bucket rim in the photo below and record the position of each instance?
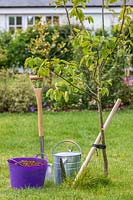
(17, 159)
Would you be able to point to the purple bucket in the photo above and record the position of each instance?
(27, 176)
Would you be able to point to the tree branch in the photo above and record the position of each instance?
(79, 17)
(68, 17)
(92, 93)
(102, 17)
(118, 37)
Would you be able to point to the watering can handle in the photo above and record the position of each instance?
(70, 141)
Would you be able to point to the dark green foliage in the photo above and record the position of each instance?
(77, 101)
(129, 39)
(17, 49)
(113, 72)
(3, 57)
(66, 52)
(51, 41)
(16, 94)
(5, 38)
(100, 32)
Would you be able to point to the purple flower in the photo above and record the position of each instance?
(31, 108)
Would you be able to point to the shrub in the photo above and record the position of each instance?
(16, 93)
(5, 39)
(77, 101)
(66, 51)
(17, 48)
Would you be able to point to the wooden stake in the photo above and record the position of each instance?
(92, 150)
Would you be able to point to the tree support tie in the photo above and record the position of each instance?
(99, 146)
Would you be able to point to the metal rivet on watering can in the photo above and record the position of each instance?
(66, 164)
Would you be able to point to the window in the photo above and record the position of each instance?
(49, 19)
(53, 20)
(31, 20)
(15, 22)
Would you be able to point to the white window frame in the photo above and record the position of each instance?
(15, 25)
(52, 19)
(34, 20)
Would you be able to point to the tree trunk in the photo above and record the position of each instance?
(103, 139)
(102, 17)
(99, 103)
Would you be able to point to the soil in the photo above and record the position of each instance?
(30, 163)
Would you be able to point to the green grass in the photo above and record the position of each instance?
(19, 137)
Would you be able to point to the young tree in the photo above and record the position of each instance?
(88, 73)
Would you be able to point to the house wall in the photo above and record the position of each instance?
(3, 25)
(95, 12)
(110, 19)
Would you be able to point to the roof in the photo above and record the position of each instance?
(24, 3)
(45, 3)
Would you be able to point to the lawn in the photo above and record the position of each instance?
(19, 137)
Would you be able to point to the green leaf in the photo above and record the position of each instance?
(38, 61)
(29, 62)
(76, 30)
(84, 58)
(111, 44)
(92, 67)
(109, 82)
(50, 94)
(105, 91)
(66, 96)
(57, 95)
(89, 19)
(73, 13)
(44, 72)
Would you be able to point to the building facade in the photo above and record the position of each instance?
(16, 14)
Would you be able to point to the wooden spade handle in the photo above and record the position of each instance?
(38, 94)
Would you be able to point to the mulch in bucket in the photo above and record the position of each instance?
(27, 172)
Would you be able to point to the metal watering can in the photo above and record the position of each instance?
(66, 164)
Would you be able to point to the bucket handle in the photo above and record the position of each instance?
(14, 162)
(45, 157)
(70, 141)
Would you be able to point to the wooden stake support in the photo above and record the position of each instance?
(92, 150)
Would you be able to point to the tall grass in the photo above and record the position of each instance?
(19, 137)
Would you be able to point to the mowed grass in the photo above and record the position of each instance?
(19, 137)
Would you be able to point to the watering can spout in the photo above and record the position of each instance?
(62, 167)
